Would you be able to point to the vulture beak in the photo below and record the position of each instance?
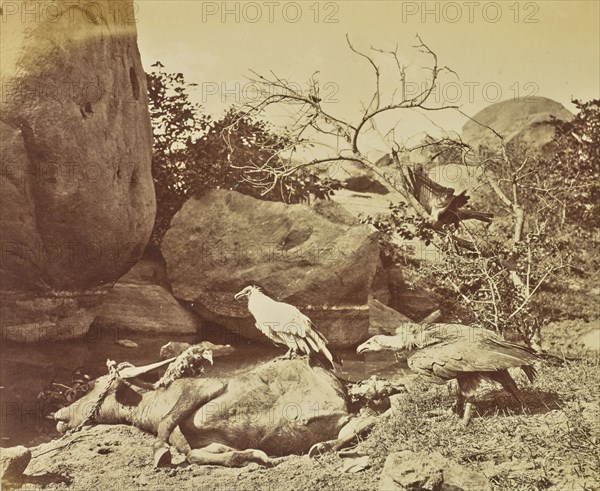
(363, 348)
(238, 295)
(208, 355)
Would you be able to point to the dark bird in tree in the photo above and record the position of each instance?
(284, 324)
(440, 202)
(442, 352)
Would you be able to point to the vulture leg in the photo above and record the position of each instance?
(459, 405)
(464, 407)
(467, 415)
(467, 386)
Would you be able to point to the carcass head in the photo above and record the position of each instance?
(108, 400)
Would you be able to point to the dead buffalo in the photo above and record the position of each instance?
(276, 408)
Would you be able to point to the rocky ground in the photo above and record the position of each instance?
(552, 445)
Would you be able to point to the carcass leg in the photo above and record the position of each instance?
(187, 403)
(349, 433)
(217, 454)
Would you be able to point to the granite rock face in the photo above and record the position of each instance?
(141, 301)
(77, 194)
(527, 120)
(316, 258)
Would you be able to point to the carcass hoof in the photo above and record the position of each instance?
(260, 457)
(241, 459)
(321, 447)
(162, 456)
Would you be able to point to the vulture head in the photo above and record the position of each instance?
(385, 343)
(372, 345)
(246, 292)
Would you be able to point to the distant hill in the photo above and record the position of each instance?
(523, 119)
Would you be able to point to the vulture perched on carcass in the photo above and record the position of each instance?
(468, 354)
(440, 202)
(284, 324)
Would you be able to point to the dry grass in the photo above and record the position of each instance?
(553, 444)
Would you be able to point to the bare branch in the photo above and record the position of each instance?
(376, 100)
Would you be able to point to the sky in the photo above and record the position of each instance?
(498, 50)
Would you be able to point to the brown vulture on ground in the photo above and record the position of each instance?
(440, 202)
(467, 354)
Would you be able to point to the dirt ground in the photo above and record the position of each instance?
(120, 457)
(554, 445)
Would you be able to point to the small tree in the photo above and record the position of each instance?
(176, 123)
(495, 276)
(575, 167)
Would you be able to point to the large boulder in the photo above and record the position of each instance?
(141, 301)
(365, 184)
(316, 258)
(77, 195)
(383, 319)
(527, 120)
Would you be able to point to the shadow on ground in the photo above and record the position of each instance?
(499, 403)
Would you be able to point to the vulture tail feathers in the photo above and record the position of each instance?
(301, 345)
(530, 371)
(337, 359)
(313, 344)
(319, 342)
(465, 214)
(319, 358)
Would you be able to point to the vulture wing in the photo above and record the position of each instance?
(445, 360)
(441, 332)
(430, 194)
(285, 324)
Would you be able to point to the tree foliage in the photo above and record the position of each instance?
(194, 152)
(576, 164)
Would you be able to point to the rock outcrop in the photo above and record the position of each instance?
(316, 258)
(142, 302)
(77, 195)
(384, 319)
(525, 119)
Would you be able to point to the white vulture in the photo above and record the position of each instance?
(442, 352)
(284, 324)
